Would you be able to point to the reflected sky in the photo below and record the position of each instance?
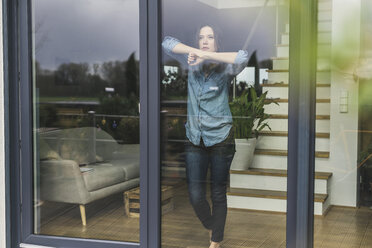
(96, 31)
(92, 31)
(181, 19)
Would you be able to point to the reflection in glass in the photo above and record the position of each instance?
(216, 105)
(86, 118)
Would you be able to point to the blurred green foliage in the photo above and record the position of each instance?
(128, 130)
(175, 128)
(47, 116)
(248, 111)
(176, 88)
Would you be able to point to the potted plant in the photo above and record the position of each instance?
(249, 118)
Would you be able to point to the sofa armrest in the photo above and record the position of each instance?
(61, 181)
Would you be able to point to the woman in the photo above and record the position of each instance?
(209, 124)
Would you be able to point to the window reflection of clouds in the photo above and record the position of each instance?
(181, 19)
(90, 31)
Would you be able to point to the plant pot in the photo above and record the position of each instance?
(243, 157)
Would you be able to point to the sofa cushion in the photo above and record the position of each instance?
(129, 166)
(102, 176)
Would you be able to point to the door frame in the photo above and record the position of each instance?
(301, 137)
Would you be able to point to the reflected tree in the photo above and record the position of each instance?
(72, 74)
(131, 76)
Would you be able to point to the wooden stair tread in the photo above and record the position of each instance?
(276, 152)
(318, 117)
(285, 134)
(286, 100)
(270, 194)
(319, 43)
(276, 173)
(287, 70)
(279, 58)
(326, 20)
(286, 85)
(319, 31)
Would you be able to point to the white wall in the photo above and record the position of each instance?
(2, 150)
(344, 126)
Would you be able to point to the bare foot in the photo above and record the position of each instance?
(215, 245)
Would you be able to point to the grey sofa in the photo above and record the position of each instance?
(81, 165)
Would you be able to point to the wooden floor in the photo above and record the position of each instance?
(341, 228)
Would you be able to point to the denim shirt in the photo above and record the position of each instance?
(208, 111)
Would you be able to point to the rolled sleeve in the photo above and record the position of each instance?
(241, 57)
(168, 44)
(240, 63)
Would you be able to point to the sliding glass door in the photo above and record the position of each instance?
(208, 128)
(86, 125)
(224, 117)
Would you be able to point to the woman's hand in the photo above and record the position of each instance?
(196, 57)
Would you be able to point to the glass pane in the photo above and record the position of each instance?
(86, 118)
(343, 175)
(224, 83)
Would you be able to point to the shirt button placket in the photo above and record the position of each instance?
(199, 116)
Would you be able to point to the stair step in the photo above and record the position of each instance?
(323, 37)
(287, 70)
(280, 100)
(318, 117)
(322, 51)
(325, 15)
(319, 32)
(324, 25)
(271, 201)
(277, 173)
(325, 5)
(281, 143)
(282, 107)
(281, 162)
(319, 44)
(279, 58)
(272, 179)
(323, 64)
(271, 194)
(321, 126)
(275, 152)
(285, 134)
(286, 85)
(282, 76)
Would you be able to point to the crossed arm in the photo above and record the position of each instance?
(196, 56)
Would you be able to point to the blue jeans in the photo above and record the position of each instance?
(198, 160)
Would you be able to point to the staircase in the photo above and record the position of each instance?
(263, 187)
